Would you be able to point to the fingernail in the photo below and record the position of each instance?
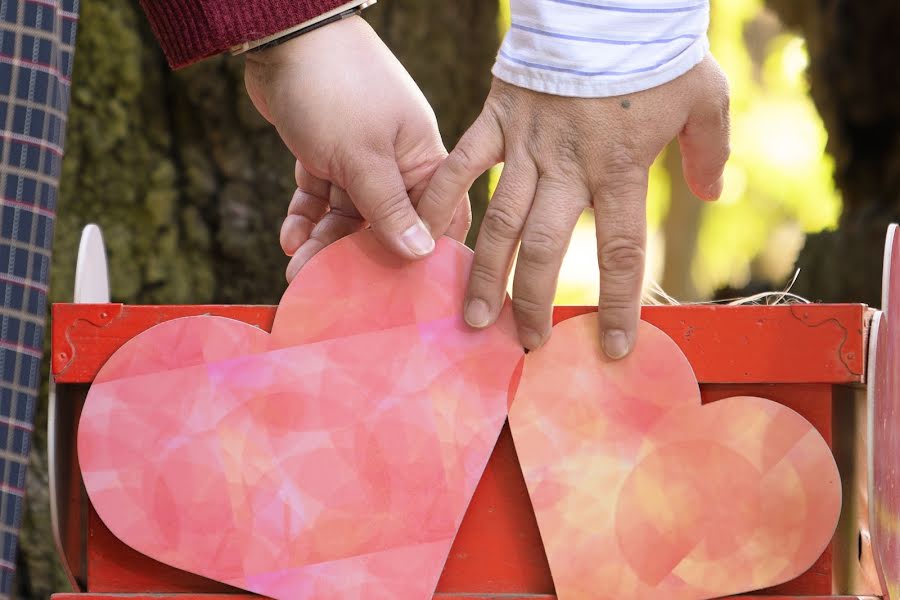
(615, 344)
(418, 240)
(530, 338)
(478, 313)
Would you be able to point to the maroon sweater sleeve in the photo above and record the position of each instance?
(190, 30)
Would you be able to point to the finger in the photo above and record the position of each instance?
(620, 216)
(704, 143)
(479, 149)
(340, 221)
(378, 192)
(497, 240)
(304, 212)
(462, 221)
(545, 240)
(462, 217)
(309, 183)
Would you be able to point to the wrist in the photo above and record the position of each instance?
(289, 51)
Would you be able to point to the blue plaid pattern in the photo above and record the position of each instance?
(37, 40)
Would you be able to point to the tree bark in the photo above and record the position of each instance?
(680, 228)
(855, 83)
(190, 185)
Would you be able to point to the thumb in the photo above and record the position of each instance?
(479, 149)
(704, 143)
(379, 194)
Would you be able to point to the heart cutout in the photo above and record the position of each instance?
(334, 458)
(641, 492)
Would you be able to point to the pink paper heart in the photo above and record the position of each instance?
(334, 458)
(641, 492)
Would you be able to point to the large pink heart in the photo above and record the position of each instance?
(641, 492)
(334, 458)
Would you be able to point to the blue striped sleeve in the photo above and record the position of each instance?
(597, 48)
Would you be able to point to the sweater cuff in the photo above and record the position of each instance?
(191, 30)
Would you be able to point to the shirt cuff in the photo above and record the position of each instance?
(601, 49)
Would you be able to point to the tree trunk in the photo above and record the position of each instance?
(190, 185)
(855, 83)
(680, 228)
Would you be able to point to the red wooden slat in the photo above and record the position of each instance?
(819, 343)
(84, 336)
(498, 548)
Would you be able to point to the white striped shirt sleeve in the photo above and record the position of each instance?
(597, 48)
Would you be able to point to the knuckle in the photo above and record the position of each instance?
(392, 208)
(620, 163)
(621, 259)
(621, 176)
(541, 249)
(569, 148)
(721, 87)
(482, 277)
(502, 100)
(502, 223)
(461, 160)
(725, 101)
(717, 97)
(528, 310)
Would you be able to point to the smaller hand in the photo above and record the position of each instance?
(563, 155)
(321, 213)
(365, 138)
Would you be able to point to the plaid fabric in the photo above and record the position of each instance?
(37, 40)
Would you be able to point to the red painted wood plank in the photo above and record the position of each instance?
(808, 343)
(498, 549)
(84, 336)
(797, 343)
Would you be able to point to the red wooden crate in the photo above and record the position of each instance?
(806, 357)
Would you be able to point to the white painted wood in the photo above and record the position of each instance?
(91, 287)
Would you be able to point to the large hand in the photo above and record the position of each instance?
(563, 155)
(365, 138)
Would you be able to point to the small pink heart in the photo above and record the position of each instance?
(641, 492)
(334, 458)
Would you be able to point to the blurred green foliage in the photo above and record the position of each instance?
(779, 178)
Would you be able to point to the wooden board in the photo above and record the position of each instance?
(790, 354)
(801, 343)
(884, 406)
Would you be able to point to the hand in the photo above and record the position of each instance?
(563, 155)
(366, 140)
